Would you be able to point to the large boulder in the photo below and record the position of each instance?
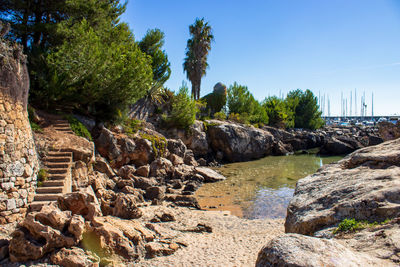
(74, 257)
(335, 146)
(210, 176)
(83, 202)
(240, 143)
(299, 250)
(43, 232)
(161, 167)
(365, 185)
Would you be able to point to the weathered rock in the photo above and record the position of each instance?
(125, 206)
(210, 176)
(102, 165)
(161, 167)
(336, 147)
(364, 186)
(155, 249)
(143, 171)
(74, 257)
(299, 250)
(177, 147)
(43, 232)
(175, 159)
(143, 153)
(127, 171)
(144, 183)
(240, 143)
(106, 144)
(189, 158)
(155, 192)
(83, 202)
(79, 175)
(183, 200)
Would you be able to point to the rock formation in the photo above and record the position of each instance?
(364, 186)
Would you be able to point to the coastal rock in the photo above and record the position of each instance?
(161, 167)
(102, 165)
(336, 147)
(240, 143)
(143, 170)
(364, 186)
(74, 257)
(210, 176)
(183, 200)
(299, 250)
(177, 147)
(125, 206)
(43, 232)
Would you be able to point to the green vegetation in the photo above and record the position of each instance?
(41, 177)
(159, 144)
(132, 126)
(351, 225)
(279, 113)
(183, 110)
(220, 116)
(195, 63)
(78, 128)
(82, 57)
(34, 126)
(243, 107)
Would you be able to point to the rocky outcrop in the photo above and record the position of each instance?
(363, 186)
(240, 143)
(299, 250)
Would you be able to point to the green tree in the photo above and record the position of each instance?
(278, 112)
(183, 109)
(241, 101)
(197, 49)
(101, 71)
(151, 44)
(305, 108)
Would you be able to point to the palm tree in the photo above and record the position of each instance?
(198, 46)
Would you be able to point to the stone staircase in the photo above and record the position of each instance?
(62, 126)
(58, 163)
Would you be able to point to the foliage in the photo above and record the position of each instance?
(278, 112)
(215, 102)
(151, 44)
(220, 116)
(100, 71)
(183, 110)
(305, 108)
(351, 225)
(34, 126)
(42, 176)
(78, 128)
(159, 144)
(132, 126)
(244, 107)
(198, 46)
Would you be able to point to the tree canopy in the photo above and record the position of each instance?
(197, 49)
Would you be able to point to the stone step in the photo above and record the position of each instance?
(49, 189)
(60, 154)
(57, 176)
(58, 159)
(53, 183)
(37, 205)
(46, 197)
(57, 165)
(61, 124)
(58, 171)
(62, 129)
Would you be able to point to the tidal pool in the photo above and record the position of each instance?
(261, 188)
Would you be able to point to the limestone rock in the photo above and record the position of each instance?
(125, 207)
(127, 171)
(240, 143)
(364, 186)
(74, 257)
(102, 165)
(176, 146)
(299, 250)
(210, 176)
(143, 170)
(155, 192)
(161, 167)
(83, 202)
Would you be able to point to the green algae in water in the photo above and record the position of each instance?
(260, 188)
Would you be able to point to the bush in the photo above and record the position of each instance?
(220, 116)
(183, 110)
(34, 126)
(42, 176)
(132, 126)
(159, 144)
(78, 128)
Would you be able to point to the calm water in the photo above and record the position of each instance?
(260, 188)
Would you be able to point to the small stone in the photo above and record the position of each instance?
(7, 186)
(11, 204)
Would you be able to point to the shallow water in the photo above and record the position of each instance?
(261, 188)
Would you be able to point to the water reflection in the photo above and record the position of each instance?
(260, 188)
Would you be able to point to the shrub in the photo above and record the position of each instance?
(220, 116)
(132, 126)
(183, 110)
(78, 128)
(41, 177)
(351, 225)
(159, 144)
(34, 126)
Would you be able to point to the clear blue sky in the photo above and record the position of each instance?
(279, 45)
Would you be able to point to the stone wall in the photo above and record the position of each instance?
(18, 159)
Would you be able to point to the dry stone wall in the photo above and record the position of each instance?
(18, 159)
